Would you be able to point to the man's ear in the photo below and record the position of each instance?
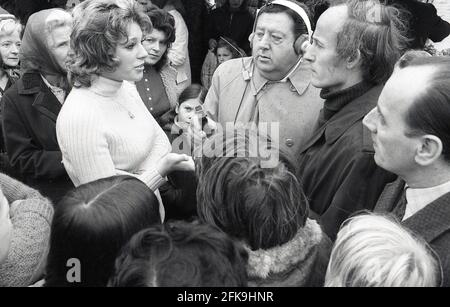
(354, 60)
(177, 108)
(429, 150)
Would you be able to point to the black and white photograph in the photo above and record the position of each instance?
(224, 149)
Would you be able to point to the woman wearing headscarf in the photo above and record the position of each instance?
(32, 104)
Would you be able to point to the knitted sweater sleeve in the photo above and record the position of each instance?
(31, 216)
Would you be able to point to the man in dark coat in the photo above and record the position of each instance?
(411, 134)
(349, 63)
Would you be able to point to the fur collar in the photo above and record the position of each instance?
(279, 259)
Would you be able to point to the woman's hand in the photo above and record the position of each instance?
(175, 162)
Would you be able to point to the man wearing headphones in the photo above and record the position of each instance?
(353, 53)
(273, 86)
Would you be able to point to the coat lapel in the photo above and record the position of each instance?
(45, 102)
(431, 221)
(345, 118)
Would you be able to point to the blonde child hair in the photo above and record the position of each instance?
(376, 251)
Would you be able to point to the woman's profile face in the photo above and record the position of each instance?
(131, 55)
(155, 45)
(9, 48)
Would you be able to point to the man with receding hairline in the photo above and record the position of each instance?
(354, 50)
(410, 130)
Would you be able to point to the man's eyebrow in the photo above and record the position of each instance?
(317, 40)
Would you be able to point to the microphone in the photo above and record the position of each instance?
(247, 74)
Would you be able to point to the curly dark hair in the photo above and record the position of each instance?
(92, 222)
(262, 206)
(164, 22)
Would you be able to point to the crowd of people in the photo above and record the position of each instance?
(222, 143)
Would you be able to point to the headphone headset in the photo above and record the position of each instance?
(303, 41)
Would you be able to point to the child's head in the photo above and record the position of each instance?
(190, 103)
(93, 222)
(227, 49)
(262, 206)
(375, 251)
(5, 227)
(180, 254)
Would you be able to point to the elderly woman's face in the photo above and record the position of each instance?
(5, 227)
(131, 55)
(9, 48)
(155, 45)
(59, 45)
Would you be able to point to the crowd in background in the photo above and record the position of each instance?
(135, 146)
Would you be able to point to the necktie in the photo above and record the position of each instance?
(400, 208)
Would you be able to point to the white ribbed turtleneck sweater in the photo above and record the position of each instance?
(106, 130)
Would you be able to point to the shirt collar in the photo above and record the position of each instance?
(299, 80)
(59, 93)
(417, 199)
(52, 87)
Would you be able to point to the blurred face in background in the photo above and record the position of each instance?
(235, 4)
(223, 55)
(10, 48)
